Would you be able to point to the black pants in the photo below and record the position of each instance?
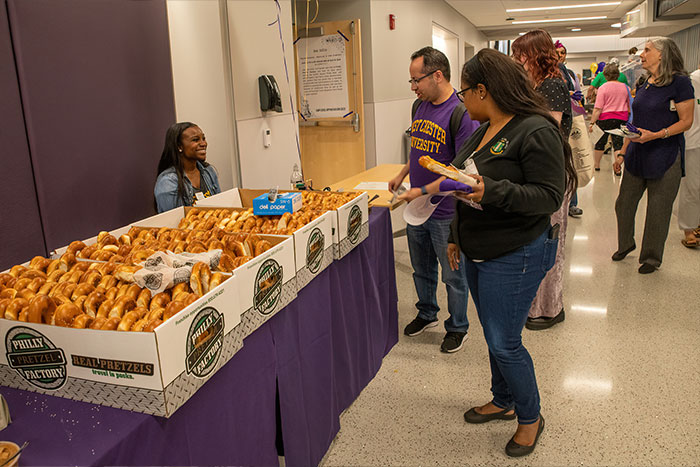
(609, 124)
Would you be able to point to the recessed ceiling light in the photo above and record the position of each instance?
(575, 29)
(521, 33)
(559, 20)
(616, 25)
(563, 7)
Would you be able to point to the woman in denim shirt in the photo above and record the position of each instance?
(183, 173)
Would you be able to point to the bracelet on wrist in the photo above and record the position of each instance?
(423, 191)
(666, 135)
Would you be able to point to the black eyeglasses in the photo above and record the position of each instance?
(460, 94)
(415, 81)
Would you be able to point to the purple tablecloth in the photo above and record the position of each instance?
(321, 350)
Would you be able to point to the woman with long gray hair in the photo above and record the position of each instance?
(655, 161)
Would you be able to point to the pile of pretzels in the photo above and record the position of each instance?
(78, 294)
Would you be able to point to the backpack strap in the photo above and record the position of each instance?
(456, 122)
(414, 108)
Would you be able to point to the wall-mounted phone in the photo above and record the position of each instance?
(270, 97)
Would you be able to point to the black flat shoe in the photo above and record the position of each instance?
(543, 322)
(646, 268)
(620, 255)
(513, 449)
(472, 416)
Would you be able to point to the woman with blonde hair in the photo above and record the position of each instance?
(655, 161)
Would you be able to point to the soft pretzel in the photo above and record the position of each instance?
(82, 289)
(172, 309)
(75, 247)
(7, 280)
(25, 293)
(88, 251)
(15, 271)
(65, 314)
(155, 313)
(41, 309)
(133, 291)
(128, 320)
(80, 302)
(8, 293)
(144, 298)
(22, 283)
(93, 302)
(139, 325)
(47, 288)
(39, 263)
(82, 321)
(122, 305)
(91, 277)
(216, 279)
(3, 306)
(225, 263)
(241, 260)
(36, 284)
(112, 292)
(98, 322)
(126, 273)
(111, 324)
(105, 308)
(159, 300)
(108, 281)
(199, 278)
(262, 246)
(66, 261)
(152, 324)
(182, 287)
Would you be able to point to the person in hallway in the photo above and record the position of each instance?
(536, 53)
(654, 162)
(600, 78)
(689, 195)
(504, 238)
(184, 176)
(611, 110)
(432, 134)
(574, 87)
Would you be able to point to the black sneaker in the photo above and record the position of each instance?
(418, 325)
(575, 211)
(452, 342)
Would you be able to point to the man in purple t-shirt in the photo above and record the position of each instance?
(427, 243)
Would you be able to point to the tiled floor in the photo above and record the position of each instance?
(619, 379)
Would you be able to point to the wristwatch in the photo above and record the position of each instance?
(423, 191)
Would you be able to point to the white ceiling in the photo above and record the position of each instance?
(490, 16)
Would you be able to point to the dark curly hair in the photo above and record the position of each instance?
(537, 50)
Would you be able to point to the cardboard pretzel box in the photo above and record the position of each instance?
(313, 243)
(149, 372)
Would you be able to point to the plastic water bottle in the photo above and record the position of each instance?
(296, 180)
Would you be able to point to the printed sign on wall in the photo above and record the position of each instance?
(323, 77)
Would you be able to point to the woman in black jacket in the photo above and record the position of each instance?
(519, 160)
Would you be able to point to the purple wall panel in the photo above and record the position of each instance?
(97, 90)
(21, 237)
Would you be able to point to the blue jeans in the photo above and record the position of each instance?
(574, 200)
(427, 245)
(503, 290)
